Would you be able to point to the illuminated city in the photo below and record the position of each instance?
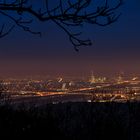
(70, 69)
(88, 89)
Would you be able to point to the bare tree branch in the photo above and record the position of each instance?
(4, 33)
(67, 14)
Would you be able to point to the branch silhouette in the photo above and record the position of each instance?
(67, 15)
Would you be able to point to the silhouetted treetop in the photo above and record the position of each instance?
(68, 15)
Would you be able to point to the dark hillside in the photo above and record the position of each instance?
(74, 121)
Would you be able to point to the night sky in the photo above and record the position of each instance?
(115, 48)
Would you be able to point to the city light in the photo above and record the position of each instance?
(91, 89)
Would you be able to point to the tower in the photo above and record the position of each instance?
(92, 79)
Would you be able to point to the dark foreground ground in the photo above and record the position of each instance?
(72, 121)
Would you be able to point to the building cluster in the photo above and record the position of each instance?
(100, 88)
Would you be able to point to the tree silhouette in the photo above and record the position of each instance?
(5, 98)
(69, 15)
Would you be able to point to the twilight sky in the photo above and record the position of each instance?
(115, 48)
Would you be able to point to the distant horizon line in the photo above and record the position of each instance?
(44, 76)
